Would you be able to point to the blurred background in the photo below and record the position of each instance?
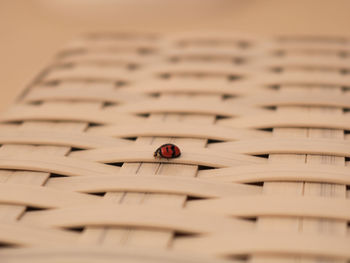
(33, 30)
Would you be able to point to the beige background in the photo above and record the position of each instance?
(33, 30)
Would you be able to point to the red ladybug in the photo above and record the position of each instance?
(167, 150)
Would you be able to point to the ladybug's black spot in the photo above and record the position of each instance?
(173, 149)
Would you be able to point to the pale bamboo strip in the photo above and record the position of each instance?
(188, 106)
(305, 78)
(54, 164)
(335, 147)
(336, 63)
(101, 58)
(175, 129)
(97, 92)
(277, 244)
(277, 172)
(219, 86)
(93, 254)
(72, 139)
(298, 98)
(67, 112)
(88, 72)
(151, 184)
(43, 197)
(199, 68)
(289, 120)
(277, 205)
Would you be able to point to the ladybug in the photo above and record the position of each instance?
(167, 150)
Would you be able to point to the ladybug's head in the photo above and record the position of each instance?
(156, 154)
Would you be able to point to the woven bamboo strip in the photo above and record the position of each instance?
(105, 255)
(173, 129)
(101, 92)
(56, 165)
(309, 246)
(76, 139)
(274, 172)
(151, 184)
(290, 120)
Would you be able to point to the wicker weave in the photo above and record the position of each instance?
(263, 128)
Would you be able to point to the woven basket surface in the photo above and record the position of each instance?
(262, 123)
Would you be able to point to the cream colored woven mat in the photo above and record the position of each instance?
(262, 124)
